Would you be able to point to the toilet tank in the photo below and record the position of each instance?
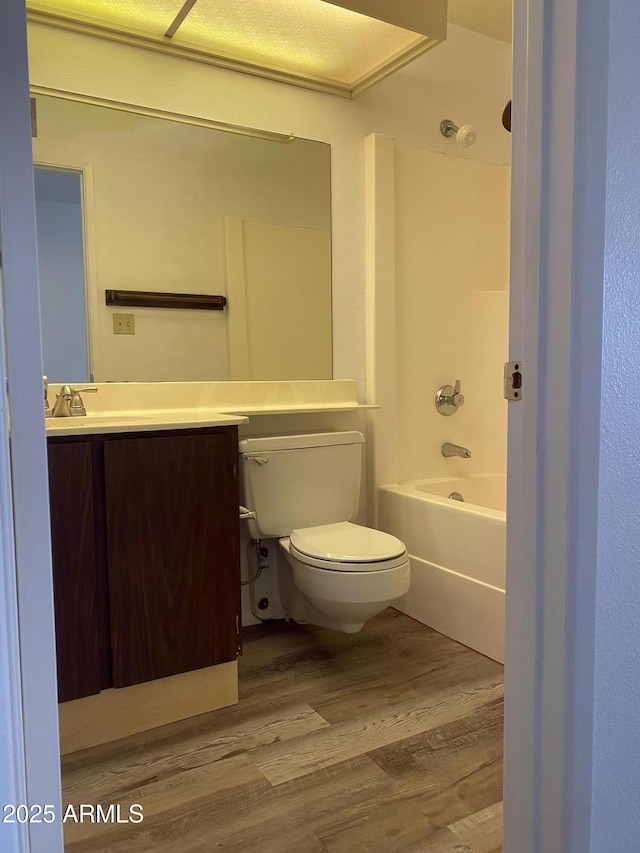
(302, 480)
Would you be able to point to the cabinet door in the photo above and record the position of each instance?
(74, 569)
(173, 552)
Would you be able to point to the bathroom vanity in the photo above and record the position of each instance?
(146, 570)
(146, 548)
(145, 541)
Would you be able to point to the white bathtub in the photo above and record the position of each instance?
(457, 556)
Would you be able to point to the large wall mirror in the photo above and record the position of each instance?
(134, 202)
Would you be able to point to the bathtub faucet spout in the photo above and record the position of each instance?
(449, 449)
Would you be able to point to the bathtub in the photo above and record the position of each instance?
(457, 552)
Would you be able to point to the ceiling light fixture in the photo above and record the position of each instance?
(337, 46)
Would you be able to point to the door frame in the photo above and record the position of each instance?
(557, 268)
(28, 663)
(85, 171)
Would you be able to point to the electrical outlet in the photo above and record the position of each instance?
(124, 324)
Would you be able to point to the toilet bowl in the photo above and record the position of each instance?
(303, 490)
(340, 575)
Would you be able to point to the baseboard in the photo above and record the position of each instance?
(114, 714)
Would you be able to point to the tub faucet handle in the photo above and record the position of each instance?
(457, 399)
(449, 399)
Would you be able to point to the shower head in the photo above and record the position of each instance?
(465, 135)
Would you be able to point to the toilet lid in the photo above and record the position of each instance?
(346, 543)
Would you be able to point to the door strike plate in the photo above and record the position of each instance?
(513, 380)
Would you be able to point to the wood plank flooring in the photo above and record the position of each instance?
(386, 741)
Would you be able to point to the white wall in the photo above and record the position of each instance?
(465, 79)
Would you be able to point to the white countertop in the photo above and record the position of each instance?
(140, 406)
(146, 421)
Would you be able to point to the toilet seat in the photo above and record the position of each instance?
(347, 547)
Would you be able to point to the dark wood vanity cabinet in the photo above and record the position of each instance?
(173, 546)
(164, 565)
(75, 554)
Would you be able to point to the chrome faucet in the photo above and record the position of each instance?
(449, 449)
(449, 399)
(69, 403)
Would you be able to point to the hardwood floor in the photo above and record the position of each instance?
(386, 741)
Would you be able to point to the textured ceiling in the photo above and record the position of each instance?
(489, 17)
(325, 40)
(303, 41)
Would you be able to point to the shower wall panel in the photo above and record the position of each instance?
(452, 275)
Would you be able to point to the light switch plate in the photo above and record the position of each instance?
(124, 324)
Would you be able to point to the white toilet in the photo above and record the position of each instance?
(304, 490)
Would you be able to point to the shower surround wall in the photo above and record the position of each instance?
(437, 314)
(437, 309)
(452, 256)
